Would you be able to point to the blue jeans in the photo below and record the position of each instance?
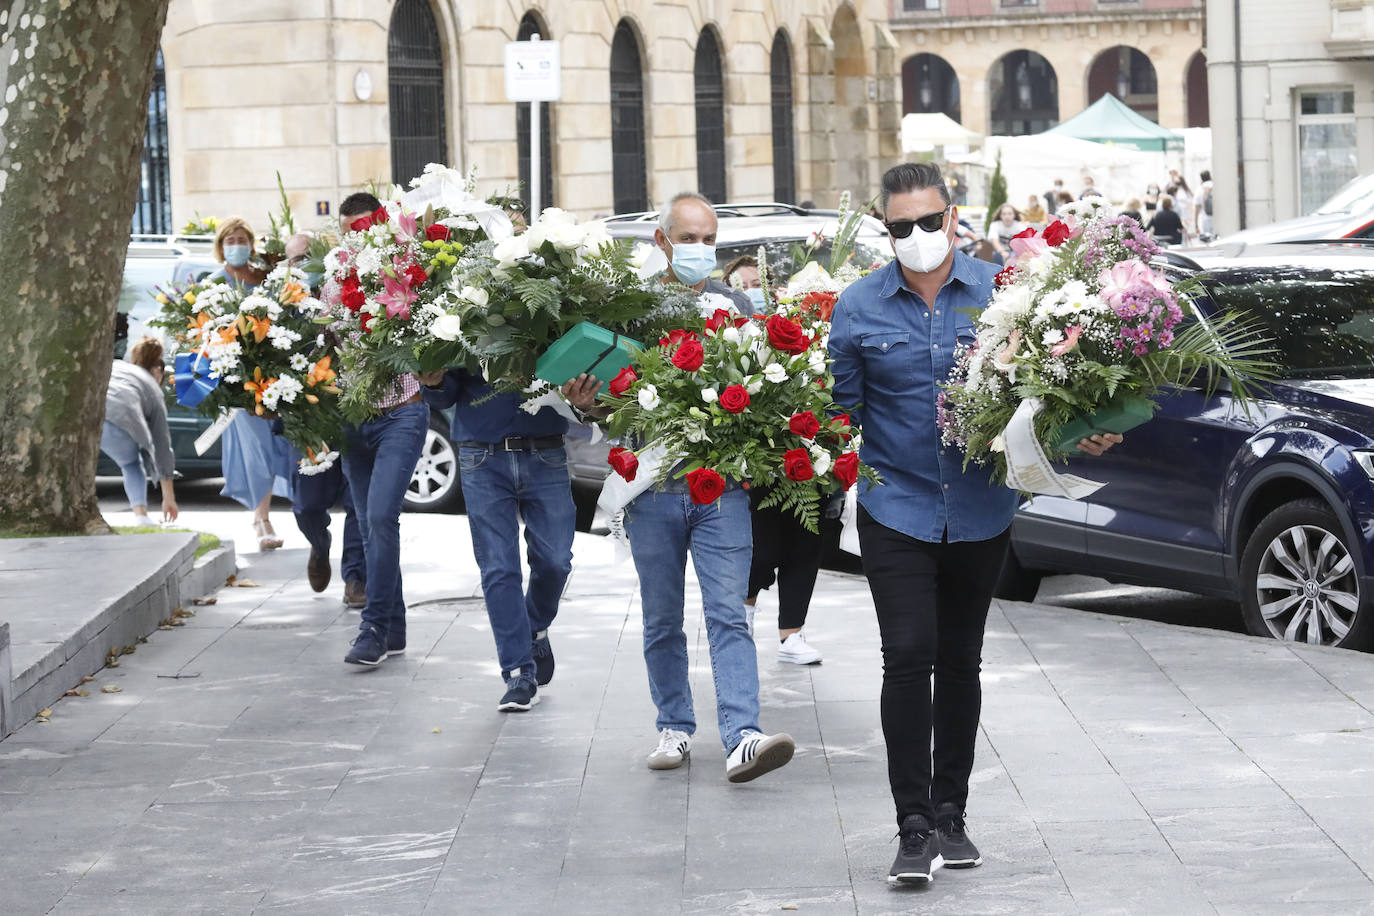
(124, 451)
(313, 495)
(663, 527)
(501, 489)
(381, 457)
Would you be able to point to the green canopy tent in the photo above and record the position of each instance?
(1108, 120)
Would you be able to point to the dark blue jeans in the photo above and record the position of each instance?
(501, 489)
(313, 496)
(381, 457)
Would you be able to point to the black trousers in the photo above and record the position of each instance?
(932, 604)
(783, 545)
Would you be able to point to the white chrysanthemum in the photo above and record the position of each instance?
(648, 397)
(299, 362)
(255, 304)
(1052, 337)
(368, 262)
(283, 389)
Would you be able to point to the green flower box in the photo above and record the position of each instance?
(1116, 416)
(586, 349)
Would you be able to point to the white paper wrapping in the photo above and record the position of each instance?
(1029, 468)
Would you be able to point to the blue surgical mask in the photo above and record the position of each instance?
(693, 262)
(315, 278)
(237, 255)
(756, 296)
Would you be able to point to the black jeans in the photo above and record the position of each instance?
(932, 603)
(781, 543)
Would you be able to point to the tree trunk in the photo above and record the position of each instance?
(76, 78)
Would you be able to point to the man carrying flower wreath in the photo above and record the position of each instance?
(933, 538)
(708, 516)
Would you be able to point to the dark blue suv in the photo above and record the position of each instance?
(1272, 507)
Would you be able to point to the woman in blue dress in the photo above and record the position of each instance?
(256, 464)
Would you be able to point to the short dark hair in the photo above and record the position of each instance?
(1206, 175)
(913, 176)
(358, 204)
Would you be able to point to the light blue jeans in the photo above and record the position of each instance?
(663, 527)
(123, 451)
(500, 489)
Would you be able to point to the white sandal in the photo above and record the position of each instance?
(267, 538)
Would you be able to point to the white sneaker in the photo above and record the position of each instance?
(674, 747)
(757, 754)
(749, 618)
(795, 650)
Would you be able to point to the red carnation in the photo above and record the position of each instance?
(623, 462)
(622, 382)
(416, 275)
(705, 486)
(437, 232)
(796, 464)
(366, 322)
(1004, 275)
(786, 335)
(379, 215)
(734, 398)
(846, 469)
(351, 294)
(1026, 233)
(822, 303)
(689, 355)
(804, 424)
(1056, 234)
(361, 224)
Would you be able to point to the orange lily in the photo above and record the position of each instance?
(320, 372)
(258, 326)
(229, 335)
(198, 322)
(258, 386)
(291, 293)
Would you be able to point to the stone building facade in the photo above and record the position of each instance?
(1020, 66)
(1302, 122)
(756, 99)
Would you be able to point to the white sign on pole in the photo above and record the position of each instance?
(533, 71)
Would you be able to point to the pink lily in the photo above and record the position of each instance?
(1124, 275)
(405, 225)
(1070, 340)
(1029, 246)
(397, 297)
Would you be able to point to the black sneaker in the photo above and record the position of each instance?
(521, 694)
(918, 852)
(368, 648)
(956, 848)
(543, 658)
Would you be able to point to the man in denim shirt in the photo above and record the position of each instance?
(513, 469)
(933, 537)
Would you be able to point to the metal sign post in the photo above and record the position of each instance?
(534, 75)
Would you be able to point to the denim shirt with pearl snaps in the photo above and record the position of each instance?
(892, 353)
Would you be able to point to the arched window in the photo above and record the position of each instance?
(1195, 91)
(415, 92)
(1024, 95)
(627, 123)
(710, 105)
(153, 213)
(930, 84)
(784, 165)
(530, 26)
(1127, 74)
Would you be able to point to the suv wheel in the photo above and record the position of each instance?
(1300, 581)
(434, 485)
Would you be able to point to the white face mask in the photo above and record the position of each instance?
(922, 251)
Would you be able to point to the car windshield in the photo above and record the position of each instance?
(136, 293)
(783, 260)
(1356, 195)
(1321, 322)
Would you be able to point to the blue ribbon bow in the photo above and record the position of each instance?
(194, 381)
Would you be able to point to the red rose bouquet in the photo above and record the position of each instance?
(739, 398)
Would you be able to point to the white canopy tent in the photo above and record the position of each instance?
(1030, 165)
(922, 133)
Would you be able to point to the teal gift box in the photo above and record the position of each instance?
(587, 349)
(1116, 416)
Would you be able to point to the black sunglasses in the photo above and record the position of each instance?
(932, 222)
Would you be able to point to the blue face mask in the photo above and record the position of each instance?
(756, 296)
(237, 255)
(315, 278)
(693, 262)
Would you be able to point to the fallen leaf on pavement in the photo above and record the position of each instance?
(45, 713)
(182, 612)
(231, 580)
(112, 688)
(246, 583)
(436, 731)
(77, 693)
(203, 601)
(87, 679)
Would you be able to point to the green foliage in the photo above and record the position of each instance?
(997, 194)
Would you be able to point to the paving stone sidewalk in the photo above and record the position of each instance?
(242, 768)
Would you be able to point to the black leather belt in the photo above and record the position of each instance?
(517, 444)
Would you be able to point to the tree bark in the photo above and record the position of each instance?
(76, 77)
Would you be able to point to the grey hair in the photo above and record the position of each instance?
(913, 176)
(665, 216)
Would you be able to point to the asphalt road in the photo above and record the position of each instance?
(1080, 592)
